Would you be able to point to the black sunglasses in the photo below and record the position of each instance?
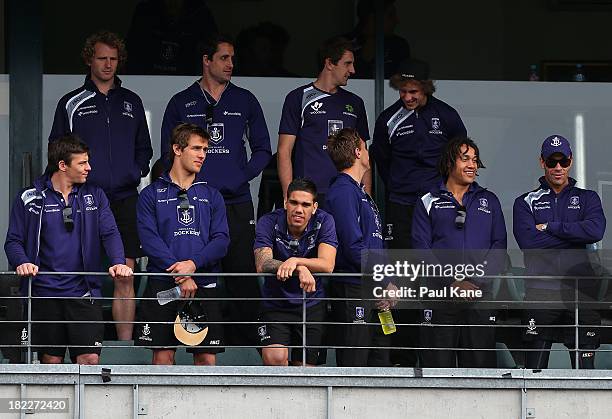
(209, 114)
(460, 218)
(552, 163)
(67, 217)
(184, 200)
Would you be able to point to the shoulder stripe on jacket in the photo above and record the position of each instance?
(74, 102)
(310, 95)
(428, 201)
(29, 195)
(397, 118)
(534, 196)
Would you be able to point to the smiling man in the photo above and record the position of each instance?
(110, 119)
(458, 214)
(293, 243)
(230, 114)
(565, 219)
(313, 112)
(183, 228)
(63, 224)
(409, 137)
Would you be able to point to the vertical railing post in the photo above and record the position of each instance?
(576, 333)
(29, 320)
(303, 327)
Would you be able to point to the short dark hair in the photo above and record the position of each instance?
(303, 184)
(452, 150)
(397, 82)
(108, 38)
(181, 134)
(63, 149)
(341, 147)
(210, 45)
(334, 48)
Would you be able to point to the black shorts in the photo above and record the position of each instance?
(124, 211)
(291, 334)
(533, 318)
(398, 225)
(52, 338)
(239, 258)
(159, 335)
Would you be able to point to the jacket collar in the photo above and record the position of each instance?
(91, 86)
(544, 185)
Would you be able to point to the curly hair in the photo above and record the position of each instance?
(397, 82)
(452, 151)
(108, 38)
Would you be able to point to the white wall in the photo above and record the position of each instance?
(509, 121)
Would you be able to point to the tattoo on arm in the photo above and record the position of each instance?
(265, 262)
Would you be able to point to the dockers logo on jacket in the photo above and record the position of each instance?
(484, 205)
(574, 203)
(333, 126)
(127, 106)
(89, 202)
(435, 126)
(185, 215)
(216, 132)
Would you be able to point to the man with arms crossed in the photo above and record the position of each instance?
(183, 228)
(561, 220)
(313, 112)
(62, 224)
(292, 243)
(111, 120)
(230, 114)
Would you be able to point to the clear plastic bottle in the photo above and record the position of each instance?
(533, 73)
(579, 74)
(386, 321)
(166, 296)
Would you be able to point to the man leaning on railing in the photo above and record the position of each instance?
(60, 225)
(292, 242)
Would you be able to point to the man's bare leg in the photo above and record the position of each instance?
(124, 310)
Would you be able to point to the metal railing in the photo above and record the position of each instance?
(414, 303)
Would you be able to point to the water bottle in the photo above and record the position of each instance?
(579, 75)
(386, 321)
(533, 73)
(166, 296)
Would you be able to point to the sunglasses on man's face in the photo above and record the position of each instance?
(184, 200)
(460, 218)
(67, 217)
(552, 163)
(209, 114)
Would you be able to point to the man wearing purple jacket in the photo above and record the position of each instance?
(408, 139)
(553, 225)
(233, 116)
(110, 119)
(358, 228)
(461, 223)
(183, 227)
(62, 224)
